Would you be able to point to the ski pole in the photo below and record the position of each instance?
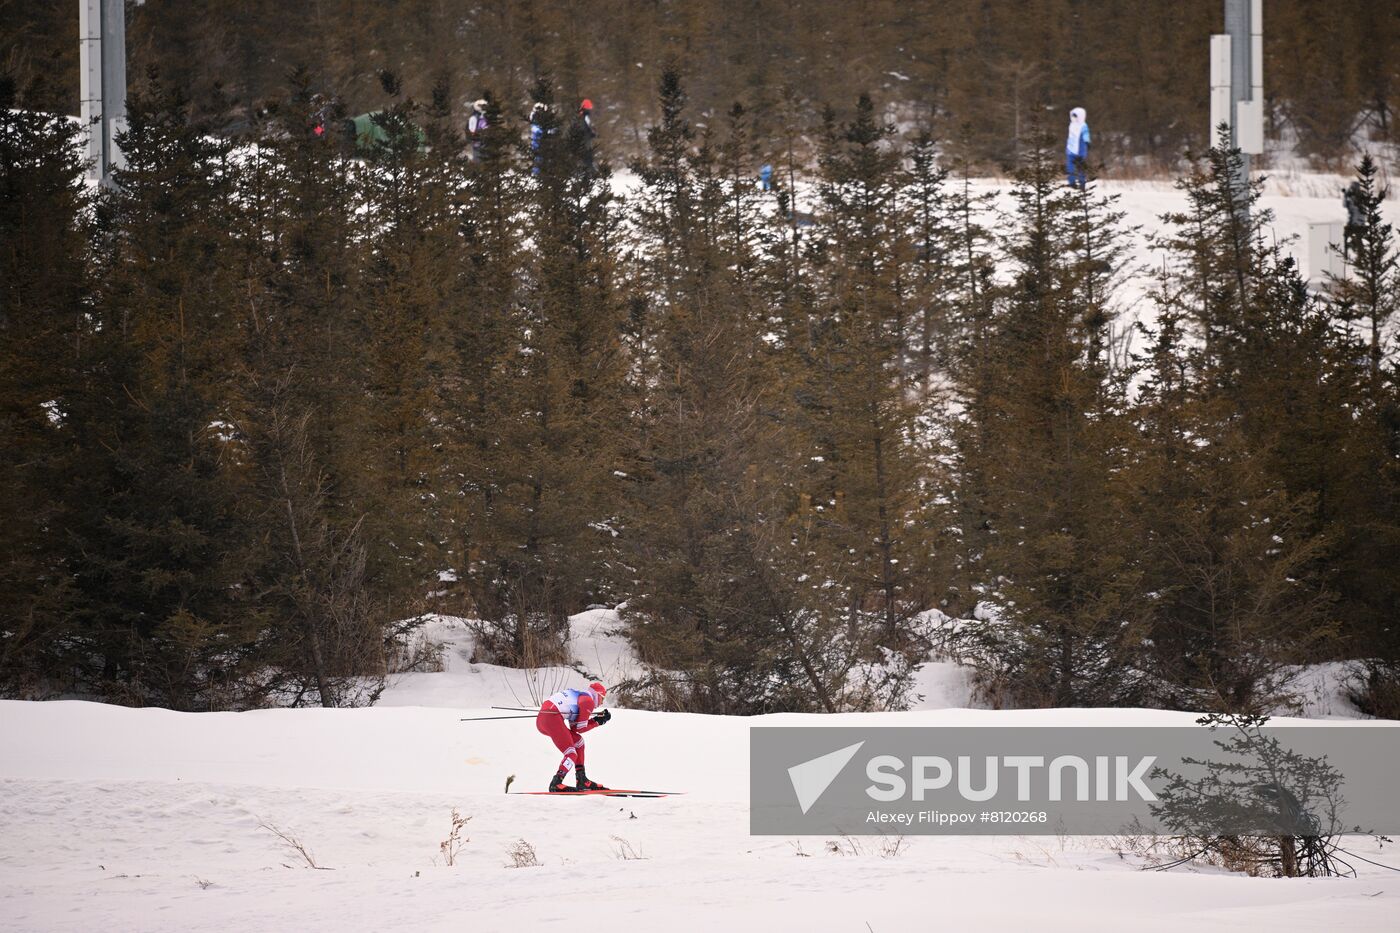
(531, 715)
(491, 718)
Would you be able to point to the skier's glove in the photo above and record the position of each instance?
(601, 718)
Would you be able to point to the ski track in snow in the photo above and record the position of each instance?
(120, 819)
(132, 856)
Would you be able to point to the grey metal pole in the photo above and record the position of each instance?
(90, 80)
(1237, 28)
(113, 80)
(102, 47)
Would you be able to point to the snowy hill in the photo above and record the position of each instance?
(1295, 197)
(599, 653)
(127, 819)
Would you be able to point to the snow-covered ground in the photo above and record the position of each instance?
(1294, 197)
(121, 819)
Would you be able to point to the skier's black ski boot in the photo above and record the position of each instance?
(584, 783)
(557, 786)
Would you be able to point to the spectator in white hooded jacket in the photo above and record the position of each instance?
(1077, 147)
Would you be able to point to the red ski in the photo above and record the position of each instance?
(610, 792)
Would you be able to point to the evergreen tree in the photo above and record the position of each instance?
(929, 207)
(44, 288)
(1366, 507)
(484, 388)
(149, 516)
(320, 614)
(408, 257)
(699, 501)
(1068, 592)
(1235, 540)
(555, 508)
(973, 374)
(255, 398)
(868, 456)
(1370, 294)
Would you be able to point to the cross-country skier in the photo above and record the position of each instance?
(1077, 147)
(564, 717)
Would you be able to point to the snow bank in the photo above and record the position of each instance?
(598, 653)
(127, 819)
(146, 819)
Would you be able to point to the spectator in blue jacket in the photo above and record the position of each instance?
(1077, 147)
(541, 125)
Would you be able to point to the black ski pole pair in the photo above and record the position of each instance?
(531, 715)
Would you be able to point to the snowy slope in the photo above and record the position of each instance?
(123, 819)
(1295, 198)
(597, 651)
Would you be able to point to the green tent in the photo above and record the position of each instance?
(369, 133)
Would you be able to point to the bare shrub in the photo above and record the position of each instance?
(311, 572)
(1256, 856)
(847, 846)
(522, 855)
(625, 851)
(886, 847)
(414, 653)
(450, 846)
(521, 628)
(1165, 852)
(1041, 856)
(531, 641)
(892, 846)
(1296, 799)
(293, 845)
(1376, 690)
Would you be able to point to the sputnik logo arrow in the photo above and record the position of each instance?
(811, 778)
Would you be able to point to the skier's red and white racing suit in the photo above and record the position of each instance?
(565, 717)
